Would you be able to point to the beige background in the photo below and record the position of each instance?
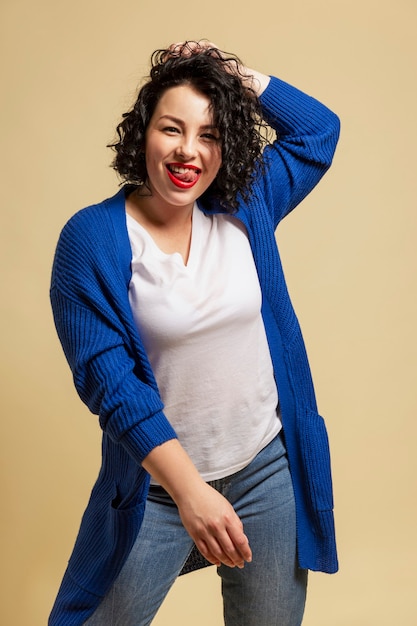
(68, 71)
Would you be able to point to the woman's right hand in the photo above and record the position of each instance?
(214, 526)
(208, 517)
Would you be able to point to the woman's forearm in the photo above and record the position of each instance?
(171, 467)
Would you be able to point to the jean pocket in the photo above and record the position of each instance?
(316, 460)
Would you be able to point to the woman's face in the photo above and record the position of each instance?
(182, 147)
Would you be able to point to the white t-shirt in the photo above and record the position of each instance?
(203, 331)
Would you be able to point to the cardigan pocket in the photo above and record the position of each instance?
(316, 460)
(107, 533)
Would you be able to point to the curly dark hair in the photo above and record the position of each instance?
(235, 108)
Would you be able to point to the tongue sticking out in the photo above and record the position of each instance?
(187, 177)
(183, 174)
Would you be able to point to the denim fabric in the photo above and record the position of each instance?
(269, 591)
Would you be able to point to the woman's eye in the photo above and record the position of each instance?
(171, 129)
(210, 137)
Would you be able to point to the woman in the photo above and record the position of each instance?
(171, 306)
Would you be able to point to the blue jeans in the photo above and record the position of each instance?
(269, 591)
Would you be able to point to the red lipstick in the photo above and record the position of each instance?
(183, 175)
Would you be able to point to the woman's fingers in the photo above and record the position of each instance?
(222, 549)
(240, 542)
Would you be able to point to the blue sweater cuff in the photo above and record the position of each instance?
(140, 440)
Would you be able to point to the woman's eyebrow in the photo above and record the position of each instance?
(177, 120)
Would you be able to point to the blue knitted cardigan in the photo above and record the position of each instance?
(113, 376)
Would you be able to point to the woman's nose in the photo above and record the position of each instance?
(187, 147)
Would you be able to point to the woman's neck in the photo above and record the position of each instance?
(148, 209)
(169, 226)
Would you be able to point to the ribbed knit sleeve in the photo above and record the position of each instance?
(93, 321)
(307, 135)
